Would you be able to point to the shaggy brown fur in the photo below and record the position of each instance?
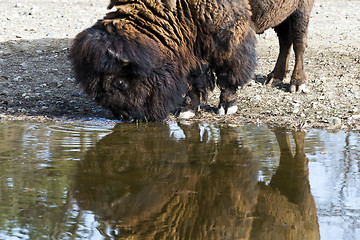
(290, 19)
(144, 57)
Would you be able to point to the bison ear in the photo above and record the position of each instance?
(169, 4)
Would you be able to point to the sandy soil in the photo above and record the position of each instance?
(36, 81)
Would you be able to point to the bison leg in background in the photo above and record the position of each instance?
(299, 29)
(284, 34)
(292, 32)
(290, 19)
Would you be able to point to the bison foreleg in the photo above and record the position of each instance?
(191, 104)
(228, 101)
(235, 72)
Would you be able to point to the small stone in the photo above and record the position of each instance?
(295, 110)
(334, 121)
(19, 5)
(255, 99)
(357, 116)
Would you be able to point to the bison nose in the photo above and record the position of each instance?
(120, 83)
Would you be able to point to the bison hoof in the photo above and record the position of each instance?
(186, 115)
(230, 110)
(299, 89)
(273, 78)
(273, 82)
(268, 81)
(221, 111)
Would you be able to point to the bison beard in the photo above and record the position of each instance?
(147, 58)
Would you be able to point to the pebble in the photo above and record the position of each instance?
(295, 110)
(10, 110)
(255, 98)
(334, 121)
(19, 5)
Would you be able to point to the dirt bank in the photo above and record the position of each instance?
(36, 80)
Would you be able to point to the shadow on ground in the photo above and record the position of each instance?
(36, 80)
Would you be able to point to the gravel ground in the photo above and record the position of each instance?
(36, 81)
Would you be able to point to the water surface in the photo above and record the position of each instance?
(174, 180)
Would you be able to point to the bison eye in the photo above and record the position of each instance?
(120, 83)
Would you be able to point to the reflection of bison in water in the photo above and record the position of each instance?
(202, 186)
(145, 59)
(285, 208)
(148, 185)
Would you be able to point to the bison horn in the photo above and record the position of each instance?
(117, 56)
(124, 61)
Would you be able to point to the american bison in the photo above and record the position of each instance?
(147, 58)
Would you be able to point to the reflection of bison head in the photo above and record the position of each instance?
(142, 59)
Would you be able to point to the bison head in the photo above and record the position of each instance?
(128, 72)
